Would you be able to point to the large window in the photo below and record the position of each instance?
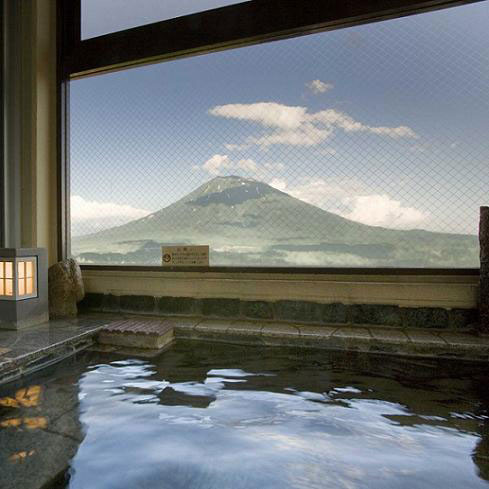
(361, 147)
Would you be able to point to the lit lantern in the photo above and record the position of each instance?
(21, 285)
(23, 288)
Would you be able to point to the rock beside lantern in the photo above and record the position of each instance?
(65, 289)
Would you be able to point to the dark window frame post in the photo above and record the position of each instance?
(68, 25)
(2, 131)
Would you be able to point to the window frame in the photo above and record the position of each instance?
(237, 25)
(2, 131)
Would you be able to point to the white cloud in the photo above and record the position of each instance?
(349, 198)
(82, 209)
(90, 215)
(306, 135)
(236, 147)
(329, 195)
(332, 117)
(274, 166)
(348, 124)
(317, 86)
(269, 114)
(216, 164)
(279, 184)
(382, 210)
(247, 165)
(222, 164)
(295, 126)
(394, 132)
(322, 259)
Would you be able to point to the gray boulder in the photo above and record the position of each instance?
(65, 289)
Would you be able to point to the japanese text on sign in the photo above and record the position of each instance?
(185, 256)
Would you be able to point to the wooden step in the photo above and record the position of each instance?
(146, 333)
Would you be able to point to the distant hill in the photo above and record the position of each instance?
(250, 223)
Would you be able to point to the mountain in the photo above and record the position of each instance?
(249, 223)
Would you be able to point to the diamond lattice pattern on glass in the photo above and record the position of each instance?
(362, 147)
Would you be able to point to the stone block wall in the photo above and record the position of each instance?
(285, 310)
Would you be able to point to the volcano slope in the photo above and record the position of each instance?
(249, 223)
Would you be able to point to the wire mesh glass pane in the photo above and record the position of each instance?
(361, 147)
(99, 17)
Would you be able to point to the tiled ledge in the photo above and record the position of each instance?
(285, 310)
(26, 351)
(393, 341)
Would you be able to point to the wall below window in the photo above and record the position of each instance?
(441, 301)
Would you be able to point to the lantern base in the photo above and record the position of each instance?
(25, 322)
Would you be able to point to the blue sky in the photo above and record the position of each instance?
(385, 123)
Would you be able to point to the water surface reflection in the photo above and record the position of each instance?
(220, 416)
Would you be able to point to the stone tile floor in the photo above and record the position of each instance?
(24, 350)
(16, 343)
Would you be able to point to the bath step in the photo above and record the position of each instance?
(147, 333)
